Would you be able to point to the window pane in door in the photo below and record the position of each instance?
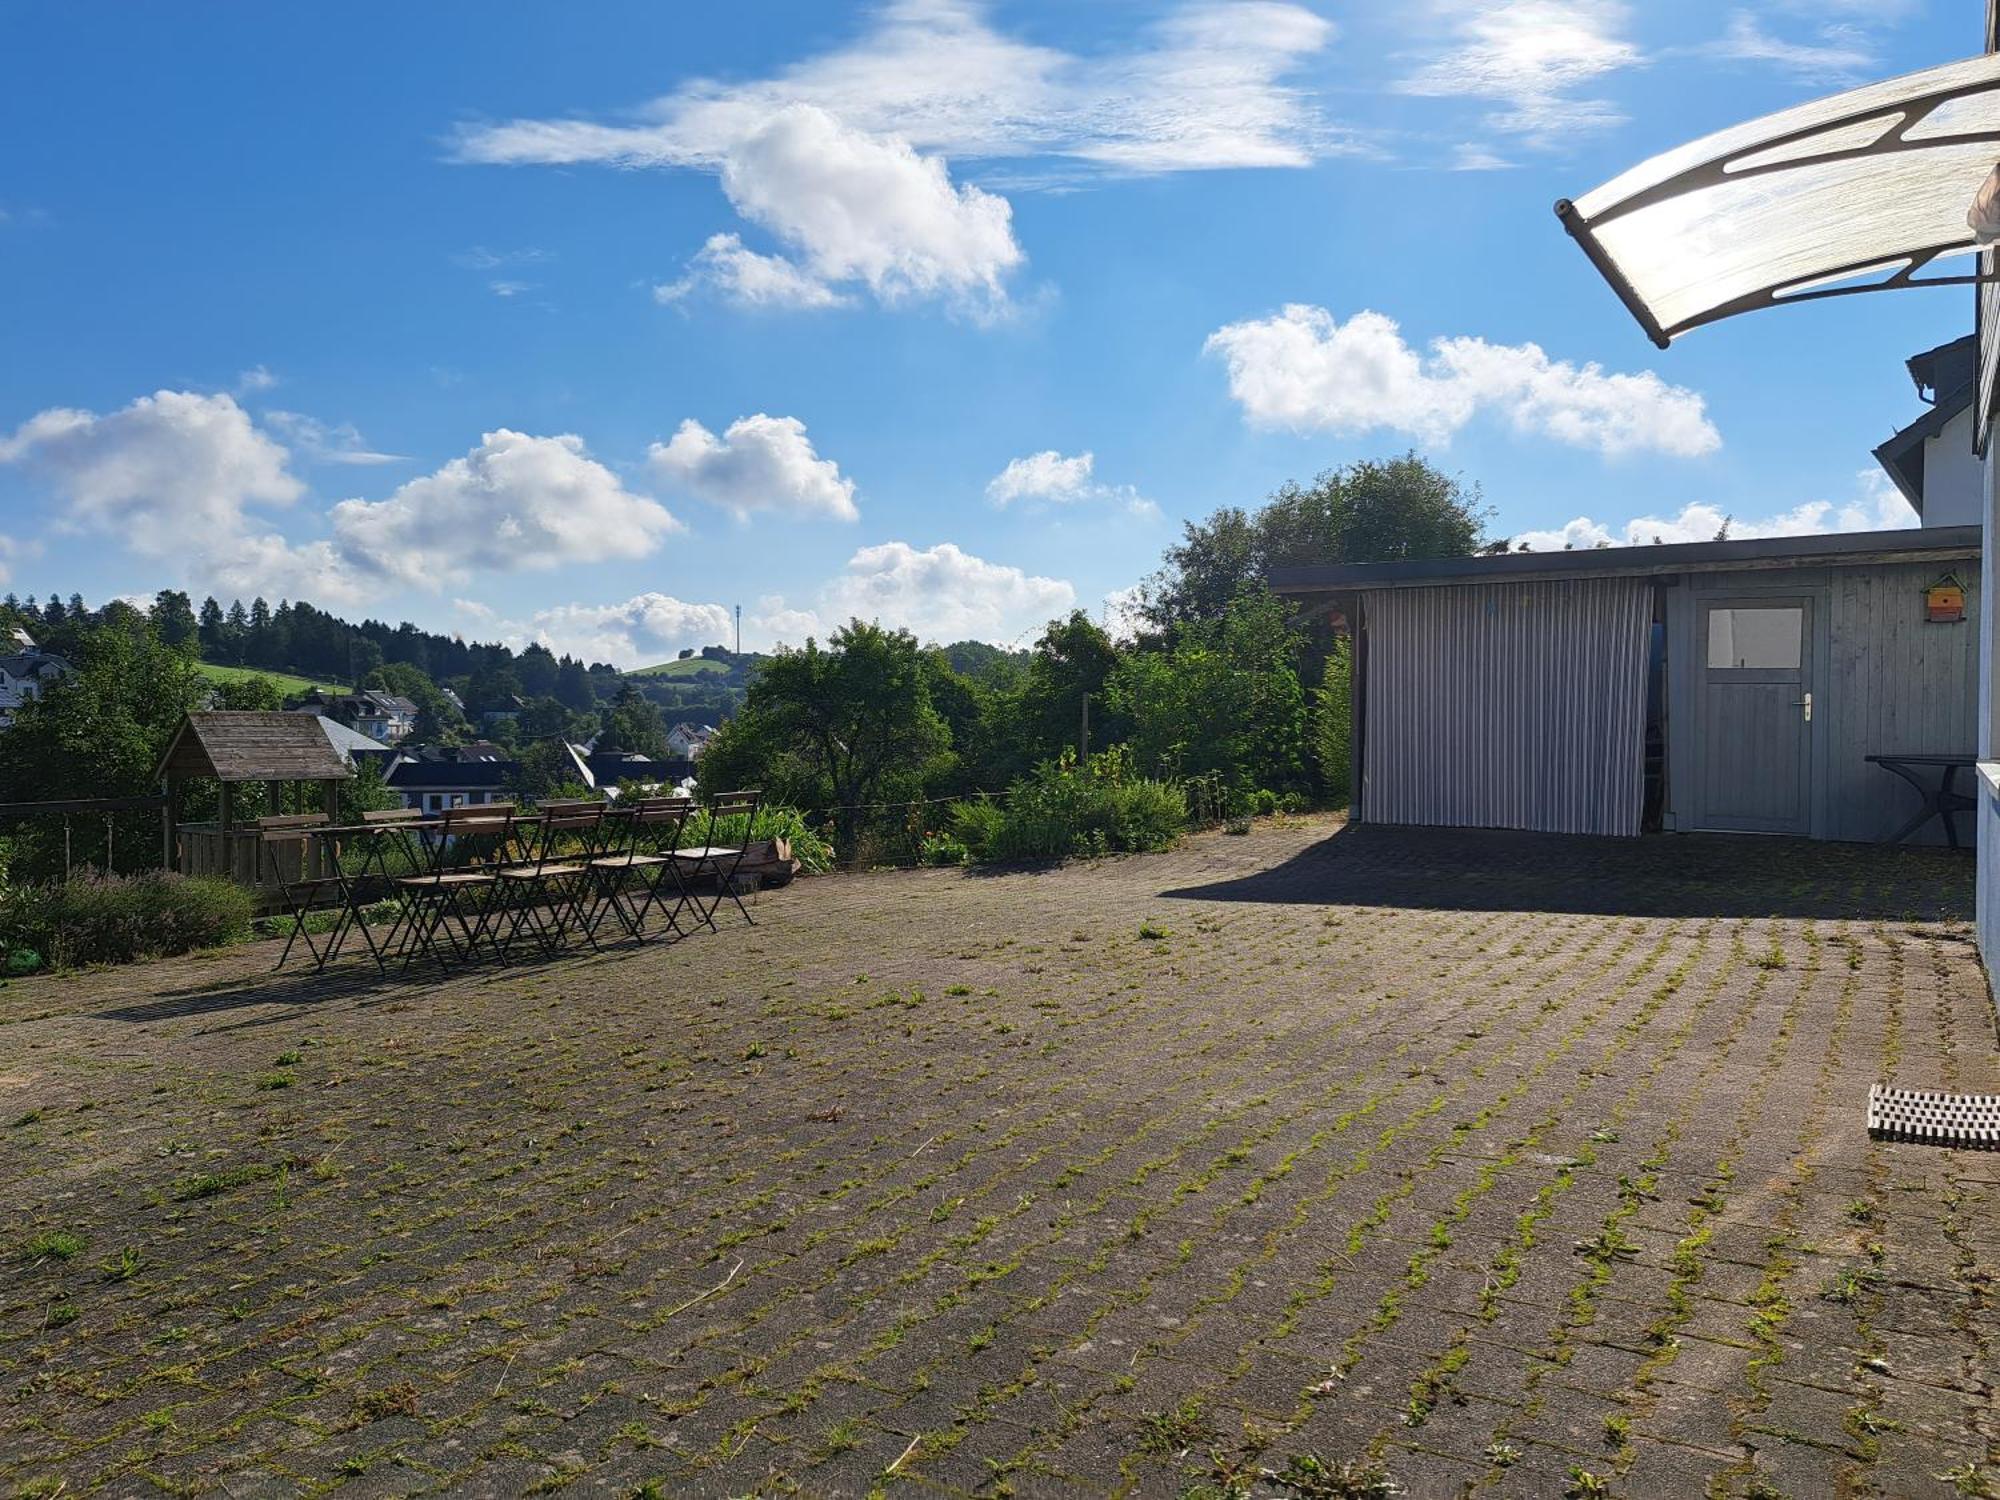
(1755, 637)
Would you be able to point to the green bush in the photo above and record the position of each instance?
(1263, 802)
(976, 823)
(942, 849)
(115, 919)
(809, 846)
(1064, 809)
(1333, 724)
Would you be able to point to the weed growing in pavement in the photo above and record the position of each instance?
(53, 1244)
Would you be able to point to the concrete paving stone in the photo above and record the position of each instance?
(533, 1225)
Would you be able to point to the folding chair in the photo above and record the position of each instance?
(285, 841)
(461, 894)
(652, 829)
(371, 879)
(546, 889)
(708, 859)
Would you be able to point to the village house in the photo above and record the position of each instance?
(24, 671)
(686, 741)
(386, 718)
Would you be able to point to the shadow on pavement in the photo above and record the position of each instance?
(1660, 875)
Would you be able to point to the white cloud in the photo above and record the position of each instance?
(865, 208)
(170, 467)
(1203, 88)
(1122, 614)
(1304, 371)
(268, 564)
(504, 288)
(317, 442)
(1043, 476)
(1877, 506)
(1062, 481)
(479, 258)
(1531, 57)
(165, 469)
(1842, 53)
(749, 279)
(939, 593)
(173, 477)
(256, 378)
(639, 632)
(759, 463)
(842, 155)
(1469, 157)
(779, 624)
(514, 502)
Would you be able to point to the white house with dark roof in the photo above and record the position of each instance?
(23, 673)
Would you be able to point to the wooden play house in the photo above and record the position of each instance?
(241, 750)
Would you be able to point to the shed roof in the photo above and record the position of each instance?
(1840, 549)
(253, 745)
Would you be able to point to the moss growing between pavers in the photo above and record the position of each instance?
(720, 1217)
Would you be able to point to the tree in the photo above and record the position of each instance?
(1367, 512)
(536, 667)
(366, 791)
(547, 769)
(210, 627)
(546, 719)
(248, 692)
(1073, 657)
(856, 713)
(492, 689)
(99, 730)
(173, 618)
(1333, 723)
(573, 687)
(632, 724)
(1223, 699)
(437, 723)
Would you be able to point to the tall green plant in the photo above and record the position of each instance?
(1333, 722)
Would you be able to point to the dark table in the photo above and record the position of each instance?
(1941, 800)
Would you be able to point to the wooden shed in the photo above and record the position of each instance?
(235, 749)
(1733, 686)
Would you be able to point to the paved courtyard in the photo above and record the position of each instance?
(1298, 1163)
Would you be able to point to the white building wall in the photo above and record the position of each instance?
(1987, 814)
(1954, 477)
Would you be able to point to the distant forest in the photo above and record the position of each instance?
(299, 639)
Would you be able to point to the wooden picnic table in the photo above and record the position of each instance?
(1941, 800)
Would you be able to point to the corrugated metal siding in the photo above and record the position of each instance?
(1512, 705)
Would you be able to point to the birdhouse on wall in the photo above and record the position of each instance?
(1944, 601)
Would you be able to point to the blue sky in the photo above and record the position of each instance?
(590, 323)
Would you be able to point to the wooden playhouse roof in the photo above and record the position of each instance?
(253, 746)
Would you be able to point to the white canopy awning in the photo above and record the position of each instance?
(1862, 191)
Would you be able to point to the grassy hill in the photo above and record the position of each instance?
(286, 681)
(693, 666)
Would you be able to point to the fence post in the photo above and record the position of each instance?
(65, 846)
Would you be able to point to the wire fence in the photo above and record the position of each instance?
(43, 839)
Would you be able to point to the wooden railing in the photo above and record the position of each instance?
(245, 856)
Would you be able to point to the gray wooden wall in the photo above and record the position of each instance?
(1886, 680)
